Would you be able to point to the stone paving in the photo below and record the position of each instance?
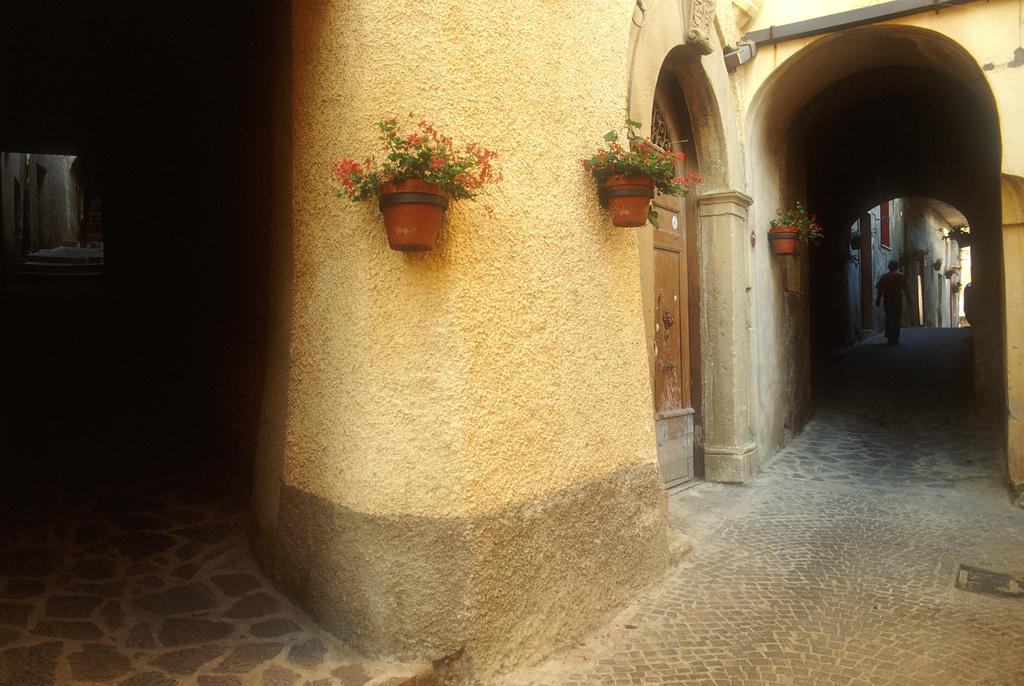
(837, 563)
(148, 581)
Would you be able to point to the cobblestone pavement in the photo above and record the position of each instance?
(150, 582)
(837, 564)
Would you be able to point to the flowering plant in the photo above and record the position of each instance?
(796, 217)
(422, 154)
(961, 233)
(639, 158)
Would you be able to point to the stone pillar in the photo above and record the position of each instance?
(989, 261)
(1013, 249)
(730, 452)
(462, 443)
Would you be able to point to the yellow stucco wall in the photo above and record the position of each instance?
(458, 450)
(509, 362)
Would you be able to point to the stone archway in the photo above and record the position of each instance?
(849, 121)
(730, 452)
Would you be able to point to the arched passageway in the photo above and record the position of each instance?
(848, 124)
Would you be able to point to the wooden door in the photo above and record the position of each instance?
(671, 384)
(675, 351)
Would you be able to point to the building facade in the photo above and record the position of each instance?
(465, 452)
(918, 233)
(41, 202)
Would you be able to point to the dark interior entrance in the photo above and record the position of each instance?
(130, 399)
(160, 359)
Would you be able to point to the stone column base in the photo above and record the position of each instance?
(730, 464)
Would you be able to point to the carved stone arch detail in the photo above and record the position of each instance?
(699, 16)
(662, 44)
(671, 44)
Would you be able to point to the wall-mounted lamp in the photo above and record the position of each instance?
(741, 54)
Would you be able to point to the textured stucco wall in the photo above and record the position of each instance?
(923, 232)
(462, 393)
(511, 359)
(11, 169)
(52, 204)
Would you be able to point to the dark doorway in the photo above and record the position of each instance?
(173, 110)
(129, 400)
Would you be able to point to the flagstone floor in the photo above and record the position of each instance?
(148, 580)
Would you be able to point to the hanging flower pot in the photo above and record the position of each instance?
(629, 198)
(962, 235)
(792, 225)
(783, 240)
(412, 211)
(422, 171)
(627, 176)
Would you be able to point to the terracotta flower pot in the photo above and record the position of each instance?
(629, 198)
(412, 211)
(783, 239)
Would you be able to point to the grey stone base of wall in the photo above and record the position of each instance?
(502, 587)
(730, 465)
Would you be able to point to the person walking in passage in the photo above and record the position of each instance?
(891, 289)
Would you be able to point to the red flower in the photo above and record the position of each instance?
(424, 152)
(346, 167)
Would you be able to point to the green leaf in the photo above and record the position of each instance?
(652, 217)
(633, 123)
(611, 136)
